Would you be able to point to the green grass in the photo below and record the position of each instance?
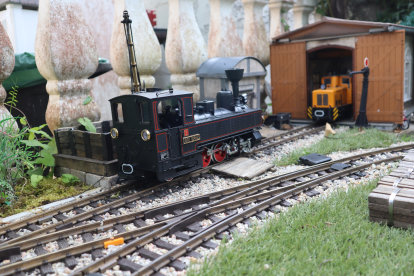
(321, 237)
(348, 140)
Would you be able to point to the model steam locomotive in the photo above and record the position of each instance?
(160, 132)
(333, 101)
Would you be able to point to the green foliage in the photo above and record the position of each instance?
(322, 237)
(87, 100)
(87, 124)
(15, 157)
(34, 179)
(408, 20)
(343, 141)
(394, 10)
(68, 178)
(324, 8)
(12, 98)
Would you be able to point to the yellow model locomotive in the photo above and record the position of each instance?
(333, 101)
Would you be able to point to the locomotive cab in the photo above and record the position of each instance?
(333, 101)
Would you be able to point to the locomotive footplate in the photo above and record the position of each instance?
(329, 114)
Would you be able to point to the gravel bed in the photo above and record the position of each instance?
(374, 171)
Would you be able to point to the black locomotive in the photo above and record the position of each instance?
(162, 133)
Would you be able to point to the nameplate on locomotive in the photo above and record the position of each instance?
(191, 139)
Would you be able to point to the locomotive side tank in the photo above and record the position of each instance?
(162, 133)
(333, 101)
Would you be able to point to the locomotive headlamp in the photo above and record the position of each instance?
(114, 133)
(145, 135)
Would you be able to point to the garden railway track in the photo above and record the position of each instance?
(265, 193)
(110, 199)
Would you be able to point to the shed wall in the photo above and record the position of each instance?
(385, 52)
(288, 62)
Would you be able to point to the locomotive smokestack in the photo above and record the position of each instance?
(235, 75)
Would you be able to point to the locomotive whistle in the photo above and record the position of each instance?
(133, 67)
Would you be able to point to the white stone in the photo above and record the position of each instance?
(276, 7)
(185, 47)
(66, 56)
(147, 47)
(255, 38)
(6, 68)
(223, 39)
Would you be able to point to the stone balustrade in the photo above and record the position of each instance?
(147, 48)
(66, 56)
(223, 38)
(278, 10)
(6, 68)
(255, 38)
(185, 47)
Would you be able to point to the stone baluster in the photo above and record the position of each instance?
(301, 10)
(277, 9)
(66, 56)
(185, 47)
(223, 38)
(255, 39)
(6, 68)
(147, 47)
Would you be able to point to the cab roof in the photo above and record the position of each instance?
(164, 94)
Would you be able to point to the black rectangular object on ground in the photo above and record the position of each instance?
(281, 119)
(314, 159)
(340, 166)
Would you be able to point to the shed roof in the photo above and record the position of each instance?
(215, 67)
(330, 27)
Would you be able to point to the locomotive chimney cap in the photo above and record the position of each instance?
(234, 74)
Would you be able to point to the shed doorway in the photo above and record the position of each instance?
(327, 61)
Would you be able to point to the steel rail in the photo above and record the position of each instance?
(267, 182)
(287, 139)
(209, 232)
(229, 194)
(15, 226)
(102, 195)
(215, 209)
(289, 132)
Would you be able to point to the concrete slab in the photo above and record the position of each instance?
(243, 167)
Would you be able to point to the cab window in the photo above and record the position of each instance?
(119, 113)
(170, 113)
(143, 110)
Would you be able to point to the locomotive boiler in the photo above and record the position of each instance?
(160, 132)
(333, 101)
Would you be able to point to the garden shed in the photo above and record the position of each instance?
(299, 59)
(213, 77)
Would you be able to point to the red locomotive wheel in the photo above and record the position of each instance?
(219, 155)
(206, 158)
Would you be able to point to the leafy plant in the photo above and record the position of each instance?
(408, 20)
(16, 157)
(68, 178)
(87, 124)
(324, 8)
(13, 98)
(394, 11)
(87, 100)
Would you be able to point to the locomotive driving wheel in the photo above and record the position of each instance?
(219, 154)
(206, 158)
